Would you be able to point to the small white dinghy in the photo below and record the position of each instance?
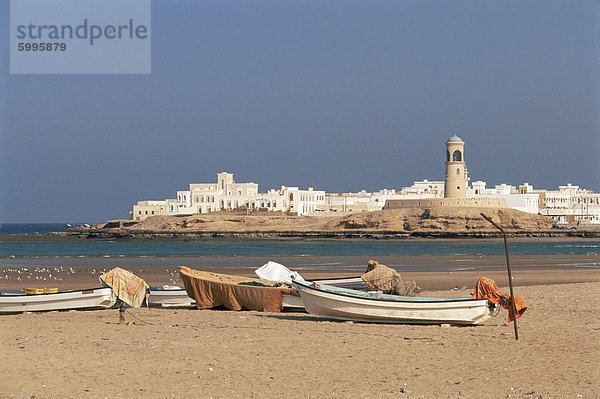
(95, 298)
(168, 296)
(346, 304)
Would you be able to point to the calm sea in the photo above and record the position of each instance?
(154, 253)
(30, 228)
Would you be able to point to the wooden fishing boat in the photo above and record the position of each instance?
(211, 290)
(95, 298)
(167, 296)
(347, 304)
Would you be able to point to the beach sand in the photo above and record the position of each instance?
(175, 353)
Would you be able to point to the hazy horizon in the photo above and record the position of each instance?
(344, 95)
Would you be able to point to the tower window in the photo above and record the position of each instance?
(457, 156)
(458, 171)
(447, 156)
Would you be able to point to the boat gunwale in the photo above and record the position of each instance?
(156, 288)
(392, 300)
(285, 289)
(13, 295)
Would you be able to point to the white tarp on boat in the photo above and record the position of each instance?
(277, 272)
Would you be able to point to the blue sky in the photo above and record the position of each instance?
(349, 95)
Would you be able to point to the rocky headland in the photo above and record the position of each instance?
(386, 224)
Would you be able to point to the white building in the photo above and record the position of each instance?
(568, 205)
(227, 195)
(571, 205)
(522, 201)
(361, 201)
(424, 189)
(143, 209)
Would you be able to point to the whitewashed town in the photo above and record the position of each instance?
(568, 205)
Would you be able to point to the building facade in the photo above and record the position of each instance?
(144, 209)
(227, 195)
(569, 205)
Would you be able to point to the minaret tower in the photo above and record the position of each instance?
(455, 183)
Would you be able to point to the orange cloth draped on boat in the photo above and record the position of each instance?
(487, 288)
(211, 290)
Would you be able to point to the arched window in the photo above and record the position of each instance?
(457, 156)
(458, 171)
(447, 156)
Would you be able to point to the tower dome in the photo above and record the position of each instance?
(454, 139)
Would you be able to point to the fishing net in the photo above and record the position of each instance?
(382, 278)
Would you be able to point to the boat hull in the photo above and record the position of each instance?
(96, 298)
(169, 297)
(212, 290)
(292, 302)
(342, 304)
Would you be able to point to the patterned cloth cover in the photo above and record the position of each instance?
(487, 288)
(126, 286)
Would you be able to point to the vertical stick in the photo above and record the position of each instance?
(512, 295)
(122, 313)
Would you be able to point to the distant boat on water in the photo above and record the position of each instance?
(69, 225)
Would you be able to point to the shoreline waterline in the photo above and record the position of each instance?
(432, 273)
(399, 262)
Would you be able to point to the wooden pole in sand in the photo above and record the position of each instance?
(512, 296)
(122, 312)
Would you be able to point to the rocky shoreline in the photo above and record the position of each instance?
(355, 234)
(404, 224)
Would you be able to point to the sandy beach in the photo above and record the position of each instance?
(185, 352)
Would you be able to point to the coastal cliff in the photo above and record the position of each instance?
(397, 223)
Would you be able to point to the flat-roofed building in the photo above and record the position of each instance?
(228, 195)
(143, 209)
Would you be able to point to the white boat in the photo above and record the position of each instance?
(293, 302)
(167, 296)
(346, 304)
(95, 298)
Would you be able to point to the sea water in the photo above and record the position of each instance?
(252, 252)
(31, 228)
